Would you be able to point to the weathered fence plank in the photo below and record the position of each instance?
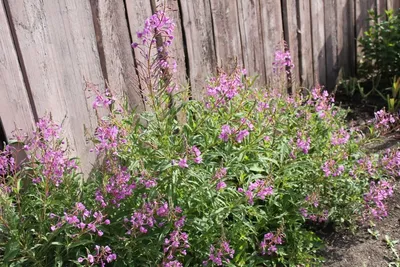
(291, 30)
(57, 42)
(305, 43)
(331, 43)
(362, 24)
(228, 46)
(393, 4)
(138, 11)
(177, 50)
(197, 24)
(381, 6)
(318, 41)
(252, 41)
(15, 109)
(272, 31)
(345, 38)
(114, 41)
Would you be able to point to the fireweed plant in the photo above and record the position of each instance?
(243, 181)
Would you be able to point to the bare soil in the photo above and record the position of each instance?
(362, 249)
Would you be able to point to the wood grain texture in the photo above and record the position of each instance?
(138, 11)
(198, 27)
(291, 30)
(393, 4)
(228, 45)
(272, 31)
(252, 41)
(343, 37)
(305, 43)
(58, 45)
(381, 6)
(176, 50)
(318, 41)
(362, 24)
(15, 109)
(331, 43)
(113, 35)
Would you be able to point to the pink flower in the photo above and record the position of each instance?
(241, 135)
(183, 163)
(226, 131)
(221, 185)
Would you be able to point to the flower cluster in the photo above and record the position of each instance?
(108, 137)
(366, 164)
(156, 34)
(384, 120)
(259, 189)
(330, 169)
(340, 138)
(303, 142)
(102, 256)
(81, 218)
(147, 180)
(391, 162)
(177, 242)
(225, 87)
(118, 187)
(322, 101)
(227, 131)
(146, 218)
(46, 150)
(103, 100)
(224, 253)
(7, 162)
(156, 25)
(314, 216)
(219, 175)
(268, 245)
(196, 152)
(374, 199)
(282, 61)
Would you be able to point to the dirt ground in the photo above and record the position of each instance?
(363, 249)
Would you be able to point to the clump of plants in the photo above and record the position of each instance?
(239, 182)
(378, 68)
(381, 47)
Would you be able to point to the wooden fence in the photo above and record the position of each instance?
(51, 49)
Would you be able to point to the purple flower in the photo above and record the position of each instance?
(183, 163)
(241, 135)
(226, 131)
(223, 253)
(340, 138)
(220, 185)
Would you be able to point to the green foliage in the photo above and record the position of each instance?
(381, 47)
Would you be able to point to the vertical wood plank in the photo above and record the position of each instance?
(118, 55)
(318, 41)
(177, 50)
(305, 45)
(57, 42)
(345, 37)
(197, 24)
(362, 24)
(393, 4)
(252, 41)
(15, 109)
(272, 31)
(138, 11)
(381, 6)
(331, 43)
(291, 30)
(228, 46)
